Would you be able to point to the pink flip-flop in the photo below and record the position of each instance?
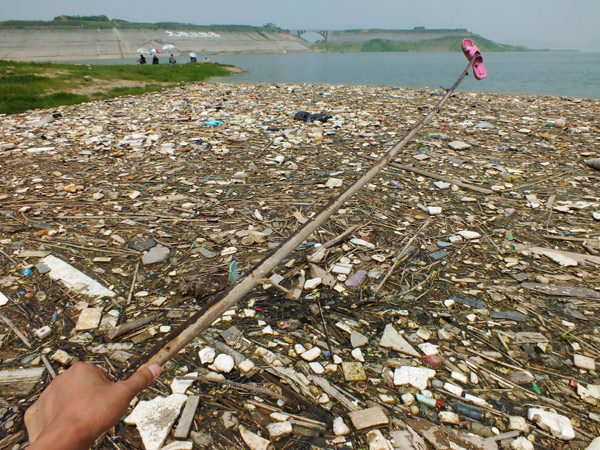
(470, 50)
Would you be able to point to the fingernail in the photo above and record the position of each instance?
(155, 369)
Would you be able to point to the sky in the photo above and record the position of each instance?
(554, 24)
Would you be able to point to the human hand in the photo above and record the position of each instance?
(81, 404)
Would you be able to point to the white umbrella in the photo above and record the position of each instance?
(147, 51)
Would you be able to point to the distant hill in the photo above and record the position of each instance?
(445, 44)
(416, 40)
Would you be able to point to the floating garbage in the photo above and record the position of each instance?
(120, 219)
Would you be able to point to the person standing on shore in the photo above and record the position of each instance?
(172, 59)
(155, 59)
(142, 60)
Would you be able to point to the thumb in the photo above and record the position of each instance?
(141, 379)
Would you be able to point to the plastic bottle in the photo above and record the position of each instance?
(427, 401)
(430, 401)
(594, 163)
(473, 412)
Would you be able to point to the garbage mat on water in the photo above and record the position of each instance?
(153, 175)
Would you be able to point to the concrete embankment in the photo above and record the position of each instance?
(76, 44)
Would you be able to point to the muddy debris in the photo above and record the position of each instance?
(451, 303)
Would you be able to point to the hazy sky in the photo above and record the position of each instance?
(557, 24)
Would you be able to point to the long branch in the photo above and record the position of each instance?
(166, 348)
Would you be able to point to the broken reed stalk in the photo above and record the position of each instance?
(399, 257)
(167, 347)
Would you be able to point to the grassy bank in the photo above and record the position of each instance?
(25, 86)
(443, 44)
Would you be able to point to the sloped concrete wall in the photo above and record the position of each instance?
(73, 44)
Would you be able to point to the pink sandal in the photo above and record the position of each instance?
(470, 50)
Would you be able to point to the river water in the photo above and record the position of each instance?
(572, 74)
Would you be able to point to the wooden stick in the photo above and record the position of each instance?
(549, 209)
(400, 256)
(441, 178)
(8, 257)
(244, 386)
(130, 326)
(325, 331)
(294, 416)
(137, 267)
(49, 367)
(274, 284)
(174, 341)
(342, 236)
(18, 332)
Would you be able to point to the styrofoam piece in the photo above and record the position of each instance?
(392, 339)
(415, 376)
(594, 445)
(74, 279)
(253, 440)
(180, 385)
(559, 426)
(3, 299)
(155, 418)
(43, 332)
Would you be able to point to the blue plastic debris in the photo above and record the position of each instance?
(307, 245)
(233, 272)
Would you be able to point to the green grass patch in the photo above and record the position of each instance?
(27, 85)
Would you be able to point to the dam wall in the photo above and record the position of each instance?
(63, 44)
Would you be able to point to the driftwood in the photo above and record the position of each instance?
(130, 326)
(163, 350)
(459, 183)
(401, 255)
(187, 417)
(16, 330)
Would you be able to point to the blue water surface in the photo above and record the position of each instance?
(571, 74)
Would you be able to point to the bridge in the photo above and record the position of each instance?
(324, 33)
